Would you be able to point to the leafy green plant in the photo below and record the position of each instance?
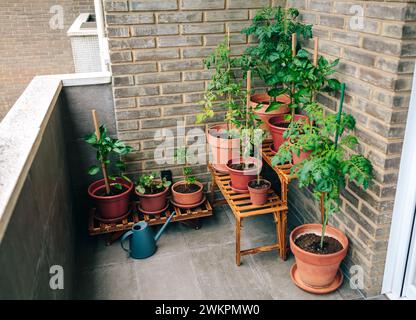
(270, 58)
(332, 161)
(224, 88)
(189, 178)
(106, 148)
(151, 184)
(182, 155)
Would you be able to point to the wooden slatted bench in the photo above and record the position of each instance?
(113, 231)
(242, 208)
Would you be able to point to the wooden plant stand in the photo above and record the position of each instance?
(242, 208)
(113, 231)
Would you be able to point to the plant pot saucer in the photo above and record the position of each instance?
(97, 216)
(154, 212)
(190, 206)
(238, 190)
(221, 168)
(332, 287)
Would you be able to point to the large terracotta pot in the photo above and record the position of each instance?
(264, 99)
(302, 156)
(278, 125)
(258, 196)
(153, 203)
(318, 270)
(222, 149)
(241, 178)
(187, 199)
(111, 207)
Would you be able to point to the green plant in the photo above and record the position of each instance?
(272, 55)
(332, 161)
(189, 178)
(151, 184)
(106, 148)
(224, 88)
(182, 155)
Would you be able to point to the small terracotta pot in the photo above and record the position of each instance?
(259, 197)
(241, 178)
(111, 207)
(278, 125)
(222, 149)
(302, 156)
(264, 99)
(187, 199)
(153, 202)
(318, 270)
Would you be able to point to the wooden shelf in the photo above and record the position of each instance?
(242, 208)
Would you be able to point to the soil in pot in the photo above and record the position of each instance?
(113, 191)
(263, 184)
(311, 242)
(242, 166)
(182, 188)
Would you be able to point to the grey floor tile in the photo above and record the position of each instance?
(167, 277)
(276, 279)
(115, 281)
(220, 278)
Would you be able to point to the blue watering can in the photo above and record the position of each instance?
(142, 241)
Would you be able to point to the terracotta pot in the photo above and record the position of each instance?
(153, 202)
(111, 207)
(187, 199)
(265, 99)
(302, 156)
(259, 197)
(318, 270)
(278, 126)
(222, 149)
(241, 178)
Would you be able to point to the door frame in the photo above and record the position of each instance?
(404, 209)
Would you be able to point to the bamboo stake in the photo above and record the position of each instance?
(341, 102)
(228, 94)
(315, 51)
(294, 42)
(103, 167)
(248, 94)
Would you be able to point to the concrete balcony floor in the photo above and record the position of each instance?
(195, 264)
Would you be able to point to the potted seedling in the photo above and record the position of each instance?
(112, 193)
(258, 188)
(152, 192)
(319, 248)
(271, 56)
(225, 91)
(246, 167)
(187, 193)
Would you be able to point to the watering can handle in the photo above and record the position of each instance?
(124, 238)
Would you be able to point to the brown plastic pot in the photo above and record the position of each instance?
(258, 197)
(222, 149)
(278, 125)
(302, 156)
(111, 207)
(153, 203)
(187, 199)
(241, 178)
(318, 270)
(264, 99)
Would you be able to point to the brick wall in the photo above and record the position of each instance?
(377, 63)
(157, 49)
(29, 47)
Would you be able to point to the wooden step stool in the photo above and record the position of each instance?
(242, 208)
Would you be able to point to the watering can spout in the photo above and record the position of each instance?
(164, 227)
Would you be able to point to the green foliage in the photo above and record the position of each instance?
(271, 56)
(106, 147)
(189, 178)
(182, 155)
(223, 89)
(151, 183)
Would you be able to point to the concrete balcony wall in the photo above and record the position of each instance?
(43, 181)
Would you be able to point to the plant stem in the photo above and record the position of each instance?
(324, 219)
(294, 41)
